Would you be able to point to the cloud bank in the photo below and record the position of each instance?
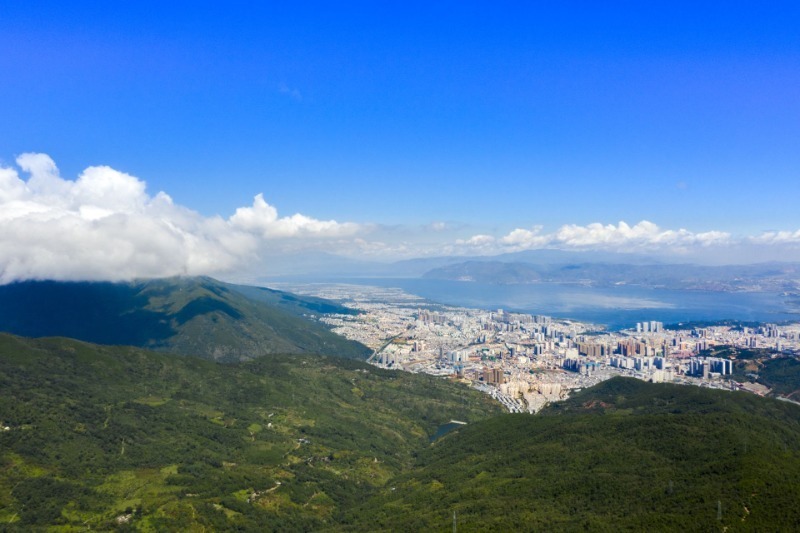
(104, 226)
(645, 237)
(622, 237)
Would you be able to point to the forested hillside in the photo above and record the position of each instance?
(105, 436)
(191, 316)
(622, 456)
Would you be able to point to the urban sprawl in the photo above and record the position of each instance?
(526, 361)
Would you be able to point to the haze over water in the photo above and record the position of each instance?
(615, 307)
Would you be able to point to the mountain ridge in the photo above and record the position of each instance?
(192, 316)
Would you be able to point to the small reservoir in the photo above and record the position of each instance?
(444, 429)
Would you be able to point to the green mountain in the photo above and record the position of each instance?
(193, 316)
(622, 456)
(293, 303)
(106, 437)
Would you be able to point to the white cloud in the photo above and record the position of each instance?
(621, 237)
(263, 218)
(104, 226)
(480, 240)
(44, 179)
(477, 241)
(777, 237)
(525, 239)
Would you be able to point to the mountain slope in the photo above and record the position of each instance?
(292, 303)
(624, 455)
(193, 316)
(101, 435)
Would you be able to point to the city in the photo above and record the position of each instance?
(526, 361)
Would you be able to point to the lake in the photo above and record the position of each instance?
(615, 307)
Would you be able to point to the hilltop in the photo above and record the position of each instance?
(192, 316)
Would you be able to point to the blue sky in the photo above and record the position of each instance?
(474, 119)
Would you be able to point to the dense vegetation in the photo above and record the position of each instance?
(106, 437)
(695, 324)
(293, 303)
(194, 316)
(624, 455)
(100, 435)
(780, 372)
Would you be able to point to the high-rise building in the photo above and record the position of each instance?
(493, 376)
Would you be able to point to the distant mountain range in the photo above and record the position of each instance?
(599, 269)
(759, 277)
(190, 316)
(315, 265)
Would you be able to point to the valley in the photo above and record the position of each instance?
(115, 437)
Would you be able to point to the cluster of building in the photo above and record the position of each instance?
(526, 361)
